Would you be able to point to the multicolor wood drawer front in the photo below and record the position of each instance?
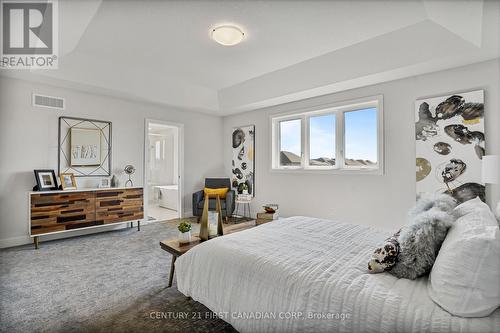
(119, 205)
(62, 211)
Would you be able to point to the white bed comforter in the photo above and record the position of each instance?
(304, 274)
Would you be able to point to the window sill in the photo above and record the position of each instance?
(326, 171)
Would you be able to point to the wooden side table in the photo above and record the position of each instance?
(177, 249)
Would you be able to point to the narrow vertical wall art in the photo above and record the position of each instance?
(243, 163)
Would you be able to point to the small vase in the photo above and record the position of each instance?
(185, 237)
(114, 181)
(245, 192)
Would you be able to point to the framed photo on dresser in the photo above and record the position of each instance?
(105, 182)
(46, 180)
(68, 181)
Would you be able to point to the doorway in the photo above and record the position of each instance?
(163, 168)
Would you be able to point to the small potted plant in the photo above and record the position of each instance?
(184, 232)
(244, 188)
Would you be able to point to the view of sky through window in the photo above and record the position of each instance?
(322, 140)
(290, 142)
(360, 138)
(361, 135)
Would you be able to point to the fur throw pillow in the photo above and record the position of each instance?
(411, 252)
(420, 242)
(426, 201)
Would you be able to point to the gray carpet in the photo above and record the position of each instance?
(107, 282)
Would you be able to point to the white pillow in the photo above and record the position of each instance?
(475, 205)
(465, 279)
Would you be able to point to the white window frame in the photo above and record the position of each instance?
(338, 110)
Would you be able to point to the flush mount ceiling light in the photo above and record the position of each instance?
(227, 35)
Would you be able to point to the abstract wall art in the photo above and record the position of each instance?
(243, 163)
(449, 134)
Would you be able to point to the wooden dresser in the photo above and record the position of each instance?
(62, 211)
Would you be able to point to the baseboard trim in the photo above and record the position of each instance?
(15, 241)
(23, 240)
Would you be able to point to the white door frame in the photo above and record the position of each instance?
(180, 161)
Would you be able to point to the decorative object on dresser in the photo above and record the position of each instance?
(205, 232)
(105, 182)
(114, 181)
(450, 142)
(45, 180)
(84, 147)
(129, 170)
(68, 181)
(243, 163)
(59, 211)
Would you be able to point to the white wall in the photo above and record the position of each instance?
(380, 201)
(28, 141)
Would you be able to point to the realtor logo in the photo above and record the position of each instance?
(29, 34)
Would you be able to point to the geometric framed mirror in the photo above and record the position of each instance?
(84, 147)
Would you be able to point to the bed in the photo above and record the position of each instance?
(303, 274)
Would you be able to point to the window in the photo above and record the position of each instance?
(344, 137)
(290, 142)
(360, 135)
(322, 140)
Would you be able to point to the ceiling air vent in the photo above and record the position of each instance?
(48, 102)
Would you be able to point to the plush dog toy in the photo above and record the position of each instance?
(386, 256)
